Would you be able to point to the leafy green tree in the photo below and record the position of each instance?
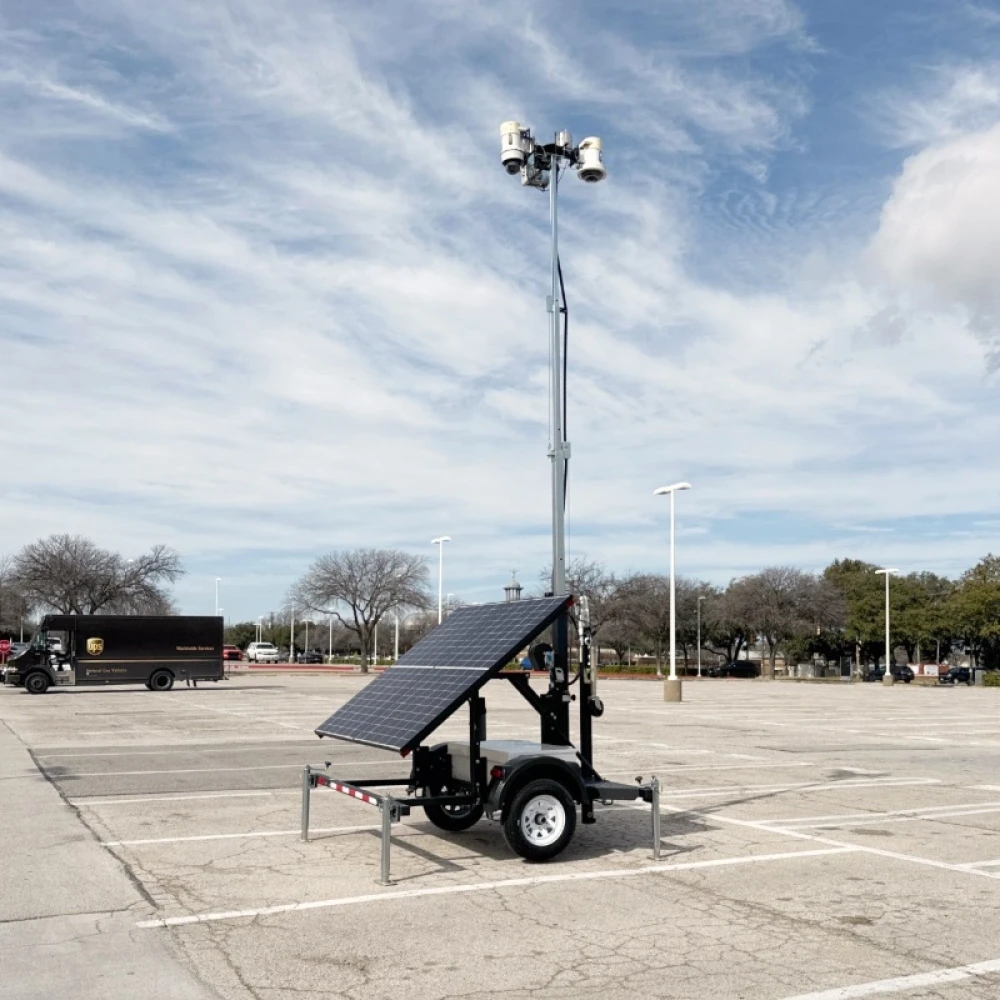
(974, 610)
(241, 634)
(863, 594)
(918, 605)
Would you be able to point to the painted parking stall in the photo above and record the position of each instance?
(800, 799)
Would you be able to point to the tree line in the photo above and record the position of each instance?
(837, 614)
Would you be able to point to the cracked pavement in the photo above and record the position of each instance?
(891, 797)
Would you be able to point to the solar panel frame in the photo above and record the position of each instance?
(406, 703)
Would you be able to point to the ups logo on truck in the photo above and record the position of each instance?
(95, 646)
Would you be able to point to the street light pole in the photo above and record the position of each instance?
(672, 685)
(887, 679)
(218, 580)
(331, 637)
(440, 543)
(700, 599)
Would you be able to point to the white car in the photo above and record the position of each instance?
(262, 652)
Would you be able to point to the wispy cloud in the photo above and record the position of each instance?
(43, 87)
(262, 261)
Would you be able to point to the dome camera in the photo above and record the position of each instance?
(590, 164)
(515, 145)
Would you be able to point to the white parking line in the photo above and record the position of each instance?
(445, 890)
(806, 785)
(127, 801)
(210, 770)
(877, 821)
(193, 749)
(980, 864)
(236, 836)
(904, 983)
(795, 821)
(723, 767)
(798, 834)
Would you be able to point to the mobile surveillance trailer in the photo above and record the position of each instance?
(532, 789)
(85, 650)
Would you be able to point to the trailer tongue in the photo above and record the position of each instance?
(533, 789)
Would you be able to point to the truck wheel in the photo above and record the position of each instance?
(37, 683)
(541, 820)
(162, 680)
(454, 819)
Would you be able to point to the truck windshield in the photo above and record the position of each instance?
(39, 640)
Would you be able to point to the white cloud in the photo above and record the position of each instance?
(939, 234)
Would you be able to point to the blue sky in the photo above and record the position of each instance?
(266, 291)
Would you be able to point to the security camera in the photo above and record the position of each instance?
(515, 146)
(589, 163)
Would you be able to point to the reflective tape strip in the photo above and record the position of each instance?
(355, 793)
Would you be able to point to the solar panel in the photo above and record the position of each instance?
(413, 697)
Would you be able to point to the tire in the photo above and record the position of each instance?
(161, 680)
(37, 683)
(454, 819)
(541, 820)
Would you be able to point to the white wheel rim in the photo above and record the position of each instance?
(543, 820)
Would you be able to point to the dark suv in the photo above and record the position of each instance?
(740, 668)
(900, 672)
(956, 675)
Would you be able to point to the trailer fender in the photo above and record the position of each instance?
(518, 772)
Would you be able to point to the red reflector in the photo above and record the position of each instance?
(496, 772)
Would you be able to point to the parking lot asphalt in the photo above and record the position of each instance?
(820, 842)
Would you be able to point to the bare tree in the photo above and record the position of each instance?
(359, 587)
(14, 606)
(781, 602)
(70, 574)
(644, 600)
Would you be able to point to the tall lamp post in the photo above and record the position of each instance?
(672, 685)
(440, 542)
(700, 599)
(218, 580)
(540, 167)
(887, 679)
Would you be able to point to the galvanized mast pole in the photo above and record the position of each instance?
(557, 447)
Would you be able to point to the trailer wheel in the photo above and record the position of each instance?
(162, 680)
(454, 819)
(37, 683)
(541, 820)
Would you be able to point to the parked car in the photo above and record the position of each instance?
(309, 656)
(956, 675)
(232, 653)
(900, 672)
(262, 652)
(16, 648)
(739, 668)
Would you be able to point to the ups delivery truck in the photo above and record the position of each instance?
(77, 650)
